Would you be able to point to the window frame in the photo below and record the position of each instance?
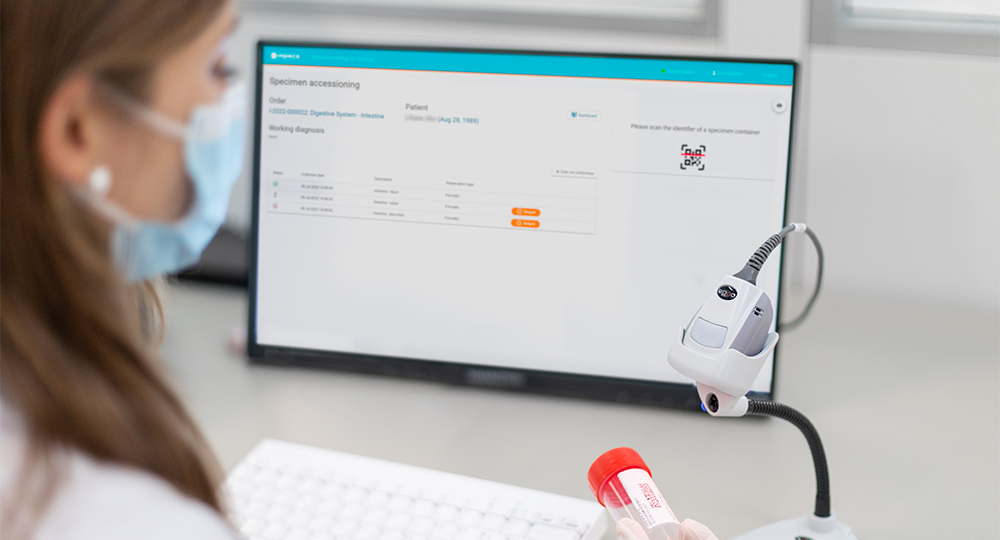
(832, 23)
(705, 26)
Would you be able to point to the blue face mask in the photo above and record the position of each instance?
(213, 153)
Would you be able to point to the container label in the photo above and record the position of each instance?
(648, 501)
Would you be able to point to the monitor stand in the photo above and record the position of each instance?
(223, 261)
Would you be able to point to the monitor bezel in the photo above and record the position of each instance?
(591, 387)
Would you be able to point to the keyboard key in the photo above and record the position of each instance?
(469, 534)
(268, 477)
(399, 503)
(526, 514)
(377, 499)
(422, 508)
(420, 526)
(289, 481)
(355, 494)
(239, 502)
(367, 532)
(323, 524)
(353, 512)
(492, 523)
(276, 514)
(299, 534)
(263, 493)
(548, 532)
(330, 507)
(576, 525)
(455, 499)
(516, 528)
(274, 531)
(286, 498)
(549, 519)
(312, 485)
(344, 529)
(397, 522)
(255, 508)
(469, 518)
(444, 531)
(299, 518)
(392, 535)
(252, 526)
(308, 503)
(496, 536)
(375, 516)
(445, 513)
(333, 490)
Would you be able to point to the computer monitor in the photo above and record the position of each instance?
(531, 220)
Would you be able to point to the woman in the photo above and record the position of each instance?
(121, 138)
(98, 196)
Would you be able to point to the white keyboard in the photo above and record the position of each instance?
(285, 491)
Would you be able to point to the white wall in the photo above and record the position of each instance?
(903, 173)
(897, 153)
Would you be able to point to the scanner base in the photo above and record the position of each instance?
(808, 526)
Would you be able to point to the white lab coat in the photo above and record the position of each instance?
(104, 501)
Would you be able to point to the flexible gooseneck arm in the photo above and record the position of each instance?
(761, 407)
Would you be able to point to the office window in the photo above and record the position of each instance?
(955, 10)
(683, 17)
(672, 9)
(951, 26)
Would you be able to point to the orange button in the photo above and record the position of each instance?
(525, 211)
(532, 224)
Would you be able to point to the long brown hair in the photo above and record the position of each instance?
(78, 362)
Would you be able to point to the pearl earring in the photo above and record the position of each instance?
(99, 181)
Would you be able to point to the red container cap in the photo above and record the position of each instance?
(610, 464)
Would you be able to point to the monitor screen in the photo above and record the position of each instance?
(544, 221)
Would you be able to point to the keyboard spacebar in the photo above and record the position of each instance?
(547, 532)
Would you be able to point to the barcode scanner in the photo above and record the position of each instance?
(727, 341)
(723, 349)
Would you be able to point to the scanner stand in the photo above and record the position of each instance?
(808, 527)
(722, 382)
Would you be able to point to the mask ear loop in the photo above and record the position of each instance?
(98, 186)
(99, 181)
(153, 119)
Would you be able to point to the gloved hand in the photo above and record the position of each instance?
(628, 529)
(692, 530)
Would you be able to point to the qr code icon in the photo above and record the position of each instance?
(692, 158)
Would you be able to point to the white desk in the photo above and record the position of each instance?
(906, 398)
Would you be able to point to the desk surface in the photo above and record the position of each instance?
(906, 398)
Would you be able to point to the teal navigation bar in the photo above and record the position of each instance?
(598, 67)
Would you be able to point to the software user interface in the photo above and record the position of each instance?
(557, 213)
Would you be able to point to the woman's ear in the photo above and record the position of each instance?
(71, 132)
